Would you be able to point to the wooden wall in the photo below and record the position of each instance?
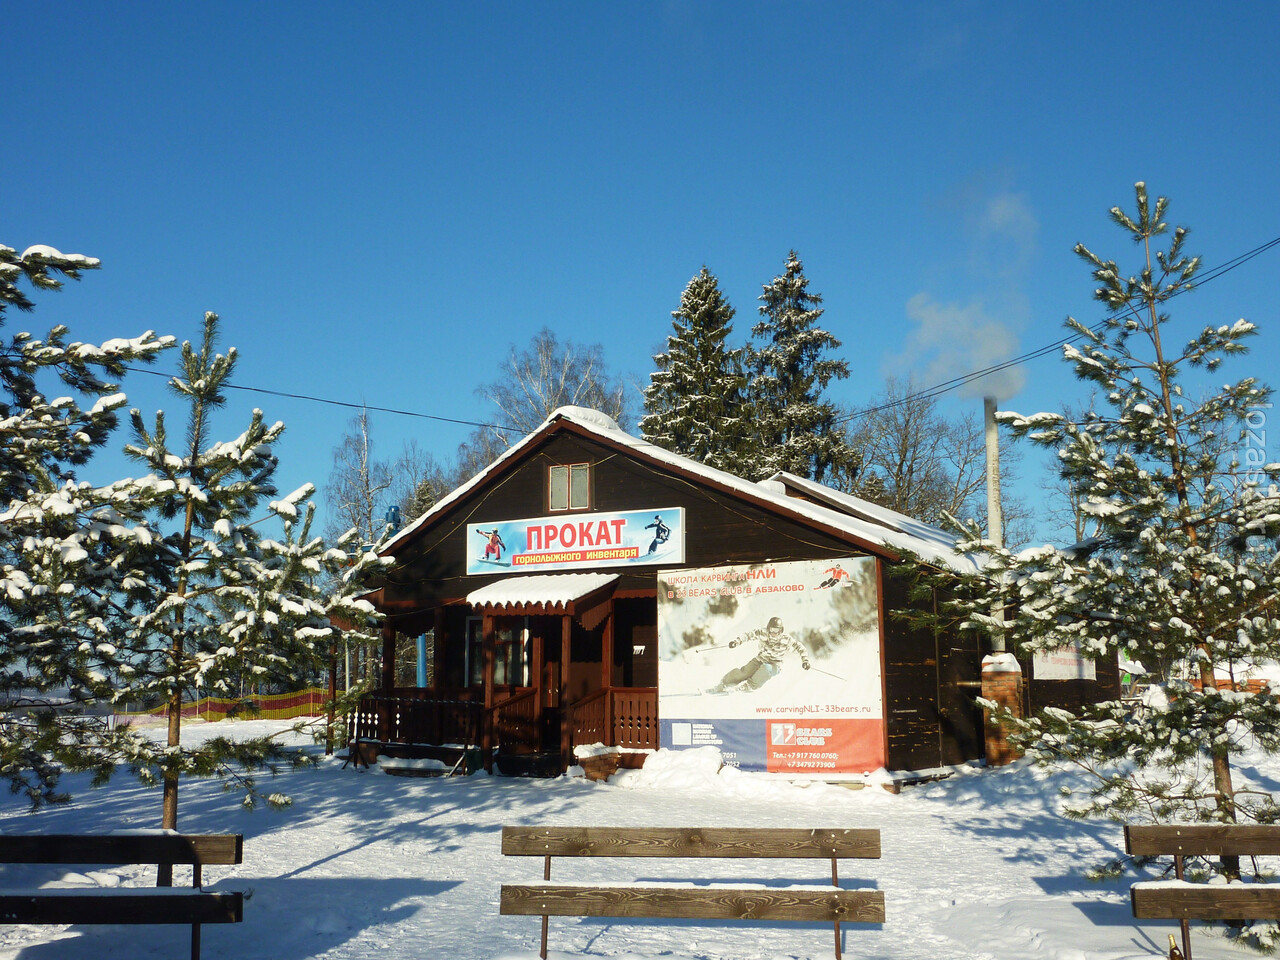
(1072, 694)
(720, 529)
(930, 720)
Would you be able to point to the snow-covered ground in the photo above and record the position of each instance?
(365, 865)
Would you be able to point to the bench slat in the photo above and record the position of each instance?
(700, 903)
(1202, 840)
(1232, 901)
(208, 849)
(120, 907)
(690, 842)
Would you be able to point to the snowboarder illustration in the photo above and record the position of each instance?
(495, 546)
(834, 576)
(661, 532)
(774, 644)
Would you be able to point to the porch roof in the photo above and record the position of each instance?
(540, 593)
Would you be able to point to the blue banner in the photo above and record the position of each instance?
(577, 541)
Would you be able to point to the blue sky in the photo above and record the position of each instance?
(380, 199)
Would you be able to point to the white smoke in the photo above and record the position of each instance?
(950, 340)
(953, 338)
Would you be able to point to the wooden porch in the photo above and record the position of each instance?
(524, 670)
(411, 720)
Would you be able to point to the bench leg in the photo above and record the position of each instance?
(195, 927)
(1185, 924)
(546, 875)
(835, 882)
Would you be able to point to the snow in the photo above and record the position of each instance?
(363, 865)
(1000, 663)
(551, 588)
(587, 415)
(585, 751)
(44, 252)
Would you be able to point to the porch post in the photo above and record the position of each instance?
(487, 643)
(388, 680)
(606, 653)
(537, 680)
(437, 649)
(566, 720)
(606, 678)
(388, 658)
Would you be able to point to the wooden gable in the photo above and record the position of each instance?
(723, 525)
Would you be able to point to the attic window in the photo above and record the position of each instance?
(569, 487)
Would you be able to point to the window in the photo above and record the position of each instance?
(510, 652)
(475, 652)
(569, 487)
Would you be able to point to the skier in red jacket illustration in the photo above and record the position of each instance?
(495, 546)
(774, 645)
(834, 576)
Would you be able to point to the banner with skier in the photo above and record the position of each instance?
(777, 664)
(577, 541)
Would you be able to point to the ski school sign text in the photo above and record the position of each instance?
(577, 541)
(775, 664)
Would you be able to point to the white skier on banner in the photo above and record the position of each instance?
(774, 646)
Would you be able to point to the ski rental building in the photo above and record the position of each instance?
(591, 594)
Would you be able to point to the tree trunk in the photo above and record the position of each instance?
(1223, 787)
(169, 806)
(169, 810)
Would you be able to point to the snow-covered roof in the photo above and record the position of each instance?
(554, 589)
(865, 521)
(903, 532)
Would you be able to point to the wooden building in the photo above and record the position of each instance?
(551, 643)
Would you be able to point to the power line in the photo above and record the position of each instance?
(938, 389)
(335, 403)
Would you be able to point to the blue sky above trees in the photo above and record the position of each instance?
(379, 201)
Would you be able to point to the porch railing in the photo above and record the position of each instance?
(589, 719)
(515, 723)
(635, 717)
(417, 720)
(617, 717)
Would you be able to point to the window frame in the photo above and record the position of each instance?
(511, 655)
(582, 470)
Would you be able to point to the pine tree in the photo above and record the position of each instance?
(218, 598)
(1181, 571)
(66, 547)
(695, 399)
(797, 428)
(158, 587)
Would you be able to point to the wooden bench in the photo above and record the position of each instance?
(125, 905)
(1184, 901)
(829, 904)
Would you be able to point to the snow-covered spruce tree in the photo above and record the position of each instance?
(1182, 571)
(65, 549)
(695, 403)
(216, 598)
(796, 428)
